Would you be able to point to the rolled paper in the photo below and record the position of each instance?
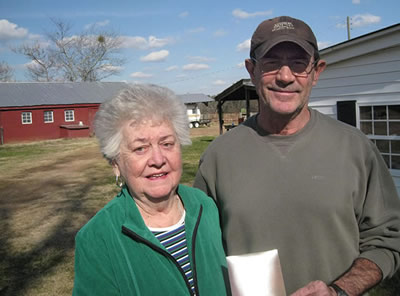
(256, 274)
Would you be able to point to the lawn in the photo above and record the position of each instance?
(48, 191)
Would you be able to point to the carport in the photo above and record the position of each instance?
(242, 90)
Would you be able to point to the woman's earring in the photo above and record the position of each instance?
(119, 181)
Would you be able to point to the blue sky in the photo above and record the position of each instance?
(188, 46)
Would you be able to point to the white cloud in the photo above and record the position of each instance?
(219, 82)
(356, 1)
(200, 59)
(244, 46)
(323, 44)
(11, 31)
(196, 30)
(113, 68)
(155, 56)
(134, 42)
(103, 23)
(184, 14)
(155, 42)
(138, 42)
(241, 14)
(361, 20)
(141, 75)
(220, 33)
(31, 64)
(35, 36)
(39, 40)
(241, 65)
(97, 24)
(194, 67)
(172, 68)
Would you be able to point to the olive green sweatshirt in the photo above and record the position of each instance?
(323, 197)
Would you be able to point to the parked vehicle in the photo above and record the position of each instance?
(195, 117)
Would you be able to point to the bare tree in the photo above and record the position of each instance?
(43, 65)
(90, 56)
(6, 72)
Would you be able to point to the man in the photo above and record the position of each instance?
(293, 179)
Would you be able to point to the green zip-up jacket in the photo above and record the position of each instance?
(116, 254)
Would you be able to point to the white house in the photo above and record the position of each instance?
(361, 86)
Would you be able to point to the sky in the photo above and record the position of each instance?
(187, 46)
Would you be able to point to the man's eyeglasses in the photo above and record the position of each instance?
(299, 68)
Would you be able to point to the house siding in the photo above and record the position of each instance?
(373, 78)
(366, 71)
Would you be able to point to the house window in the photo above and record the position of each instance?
(69, 115)
(48, 116)
(381, 123)
(26, 117)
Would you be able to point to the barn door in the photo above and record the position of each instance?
(92, 113)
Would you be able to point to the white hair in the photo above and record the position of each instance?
(138, 103)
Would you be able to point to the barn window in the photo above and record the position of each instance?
(26, 117)
(381, 123)
(48, 116)
(69, 115)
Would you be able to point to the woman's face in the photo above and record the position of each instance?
(150, 159)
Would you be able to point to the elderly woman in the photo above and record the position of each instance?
(155, 237)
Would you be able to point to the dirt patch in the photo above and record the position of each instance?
(212, 130)
(44, 201)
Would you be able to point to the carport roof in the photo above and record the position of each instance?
(240, 90)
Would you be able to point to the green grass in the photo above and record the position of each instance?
(190, 157)
(32, 149)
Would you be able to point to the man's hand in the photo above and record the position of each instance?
(317, 288)
(363, 275)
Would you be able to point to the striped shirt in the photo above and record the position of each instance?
(174, 240)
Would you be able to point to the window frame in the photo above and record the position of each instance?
(66, 117)
(24, 118)
(48, 112)
(389, 154)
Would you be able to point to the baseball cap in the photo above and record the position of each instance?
(280, 29)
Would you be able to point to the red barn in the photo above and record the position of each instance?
(50, 110)
(39, 111)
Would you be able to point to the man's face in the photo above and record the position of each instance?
(283, 91)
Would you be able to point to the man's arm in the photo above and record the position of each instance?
(362, 276)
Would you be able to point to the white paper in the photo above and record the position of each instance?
(256, 274)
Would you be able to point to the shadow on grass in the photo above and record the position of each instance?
(389, 287)
(24, 263)
(189, 173)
